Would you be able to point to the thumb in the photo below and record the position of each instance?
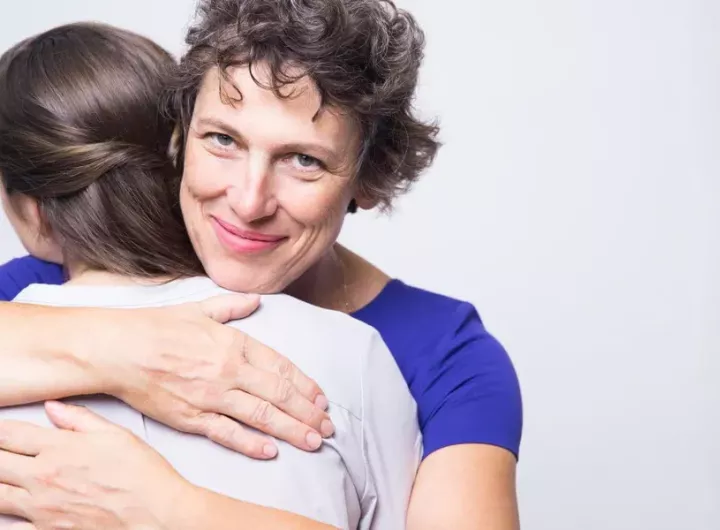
(74, 418)
(225, 308)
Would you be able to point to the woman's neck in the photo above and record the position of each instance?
(341, 281)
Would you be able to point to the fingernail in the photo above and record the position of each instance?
(313, 440)
(55, 406)
(327, 428)
(321, 402)
(270, 451)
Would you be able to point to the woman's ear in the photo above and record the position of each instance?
(35, 233)
(363, 202)
(361, 199)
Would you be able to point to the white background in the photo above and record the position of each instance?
(576, 204)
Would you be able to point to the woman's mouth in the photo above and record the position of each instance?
(244, 241)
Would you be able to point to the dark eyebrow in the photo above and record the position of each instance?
(299, 147)
(220, 125)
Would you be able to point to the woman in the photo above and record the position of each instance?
(351, 121)
(86, 176)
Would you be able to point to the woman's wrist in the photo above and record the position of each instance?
(101, 345)
(83, 338)
(42, 356)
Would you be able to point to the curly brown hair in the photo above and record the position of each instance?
(362, 55)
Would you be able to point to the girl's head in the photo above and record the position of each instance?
(86, 176)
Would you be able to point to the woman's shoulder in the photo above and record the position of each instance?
(460, 375)
(409, 308)
(17, 274)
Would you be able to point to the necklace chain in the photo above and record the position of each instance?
(343, 276)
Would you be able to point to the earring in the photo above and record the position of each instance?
(352, 207)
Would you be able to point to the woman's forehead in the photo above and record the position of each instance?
(244, 102)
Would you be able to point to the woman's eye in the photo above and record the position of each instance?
(223, 140)
(306, 161)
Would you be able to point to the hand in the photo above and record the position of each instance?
(92, 475)
(182, 367)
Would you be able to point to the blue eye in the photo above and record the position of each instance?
(223, 140)
(306, 161)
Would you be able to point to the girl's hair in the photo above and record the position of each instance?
(81, 133)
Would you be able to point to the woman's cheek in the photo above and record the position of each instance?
(313, 204)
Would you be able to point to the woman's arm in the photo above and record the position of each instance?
(71, 476)
(206, 509)
(178, 365)
(40, 356)
(465, 487)
(471, 418)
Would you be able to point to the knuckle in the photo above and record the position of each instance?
(284, 367)
(48, 477)
(237, 347)
(263, 413)
(55, 511)
(183, 414)
(315, 389)
(195, 423)
(204, 423)
(208, 396)
(285, 391)
(220, 432)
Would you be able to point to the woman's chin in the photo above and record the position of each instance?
(236, 279)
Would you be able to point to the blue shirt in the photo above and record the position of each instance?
(462, 379)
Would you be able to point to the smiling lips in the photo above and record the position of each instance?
(244, 241)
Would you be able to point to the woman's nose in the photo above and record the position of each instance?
(253, 197)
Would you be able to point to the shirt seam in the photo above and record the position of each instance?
(363, 431)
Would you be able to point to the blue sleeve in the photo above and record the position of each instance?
(17, 274)
(473, 394)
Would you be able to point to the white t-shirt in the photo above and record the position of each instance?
(361, 477)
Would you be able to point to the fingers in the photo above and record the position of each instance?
(25, 438)
(267, 359)
(228, 433)
(74, 418)
(263, 416)
(13, 467)
(282, 394)
(225, 308)
(15, 501)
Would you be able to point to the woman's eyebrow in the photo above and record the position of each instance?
(220, 124)
(316, 149)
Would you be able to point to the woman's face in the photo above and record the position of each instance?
(267, 180)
